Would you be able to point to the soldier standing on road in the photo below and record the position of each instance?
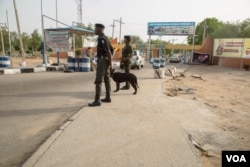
(104, 65)
(127, 52)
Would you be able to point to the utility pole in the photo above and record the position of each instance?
(19, 33)
(173, 40)
(8, 31)
(56, 16)
(58, 53)
(43, 38)
(120, 34)
(113, 27)
(204, 31)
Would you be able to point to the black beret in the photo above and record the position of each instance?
(127, 37)
(99, 25)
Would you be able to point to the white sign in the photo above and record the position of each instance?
(171, 28)
(90, 41)
(58, 41)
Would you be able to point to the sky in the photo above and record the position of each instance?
(135, 13)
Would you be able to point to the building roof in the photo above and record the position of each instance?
(75, 30)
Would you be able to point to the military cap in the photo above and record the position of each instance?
(127, 37)
(99, 25)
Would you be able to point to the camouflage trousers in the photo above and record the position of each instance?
(127, 67)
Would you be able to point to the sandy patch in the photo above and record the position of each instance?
(226, 95)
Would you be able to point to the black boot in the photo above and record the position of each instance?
(96, 102)
(98, 88)
(107, 99)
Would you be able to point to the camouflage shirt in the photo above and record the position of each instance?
(126, 51)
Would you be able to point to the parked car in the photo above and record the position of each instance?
(175, 59)
(137, 60)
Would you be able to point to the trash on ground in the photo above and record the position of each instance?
(203, 151)
(197, 76)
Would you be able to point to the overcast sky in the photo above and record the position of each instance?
(135, 13)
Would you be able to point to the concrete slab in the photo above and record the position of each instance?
(12, 71)
(39, 69)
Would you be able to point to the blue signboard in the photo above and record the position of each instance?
(171, 28)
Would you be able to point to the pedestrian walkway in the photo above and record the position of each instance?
(133, 131)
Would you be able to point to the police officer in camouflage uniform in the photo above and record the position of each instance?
(104, 66)
(127, 52)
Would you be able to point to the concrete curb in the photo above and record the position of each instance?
(35, 157)
(30, 70)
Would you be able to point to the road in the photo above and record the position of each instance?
(33, 106)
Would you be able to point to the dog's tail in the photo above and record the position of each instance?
(136, 83)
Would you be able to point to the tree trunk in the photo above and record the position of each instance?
(19, 32)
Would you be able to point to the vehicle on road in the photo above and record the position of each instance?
(175, 59)
(137, 60)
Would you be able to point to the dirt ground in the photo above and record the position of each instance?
(225, 94)
(33, 61)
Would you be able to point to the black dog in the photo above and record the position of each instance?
(119, 77)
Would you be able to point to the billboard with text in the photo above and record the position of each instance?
(171, 28)
(58, 41)
(232, 47)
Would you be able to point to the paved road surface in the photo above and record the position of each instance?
(33, 106)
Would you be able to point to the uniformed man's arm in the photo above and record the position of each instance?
(106, 47)
(130, 53)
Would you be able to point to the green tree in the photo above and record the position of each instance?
(15, 41)
(78, 41)
(227, 30)
(211, 25)
(245, 28)
(161, 43)
(136, 40)
(35, 41)
(90, 27)
(157, 41)
(26, 41)
(5, 40)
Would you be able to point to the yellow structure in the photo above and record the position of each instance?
(183, 47)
